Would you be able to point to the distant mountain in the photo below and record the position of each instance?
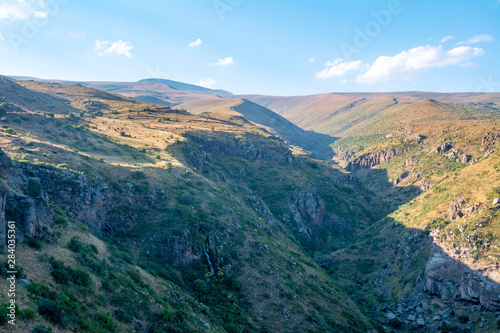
(159, 91)
(343, 113)
(190, 87)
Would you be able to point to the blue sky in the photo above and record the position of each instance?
(257, 46)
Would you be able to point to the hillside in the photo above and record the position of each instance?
(143, 217)
(435, 165)
(135, 216)
(314, 142)
(341, 114)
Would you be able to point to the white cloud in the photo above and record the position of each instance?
(207, 83)
(338, 67)
(447, 38)
(311, 60)
(386, 68)
(22, 9)
(56, 34)
(195, 43)
(226, 62)
(119, 47)
(1, 38)
(477, 39)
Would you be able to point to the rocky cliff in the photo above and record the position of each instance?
(28, 190)
(454, 281)
(372, 159)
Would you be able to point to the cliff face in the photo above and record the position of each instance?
(452, 280)
(246, 149)
(372, 159)
(91, 205)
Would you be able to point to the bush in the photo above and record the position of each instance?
(34, 188)
(81, 278)
(136, 175)
(463, 319)
(50, 311)
(201, 287)
(123, 316)
(34, 243)
(61, 220)
(41, 329)
(61, 276)
(3, 314)
(28, 313)
(105, 321)
(76, 245)
(39, 290)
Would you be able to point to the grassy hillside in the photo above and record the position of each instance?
(195, 223)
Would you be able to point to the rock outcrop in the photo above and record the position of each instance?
(242, 148)
(457, 209)
(90, 205)
(452, 280)
(488, 141)
(372, 159)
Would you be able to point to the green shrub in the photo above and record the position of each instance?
(28, 313)
(39, 290)
(61, 220)
(105, 321)
(50, 311)
(61, 276)
(108, 286)
(136, 175)
(463, 319)
(34, 188)
(3, 314)
(34, 243)
(201, 287)
(41, 329)
(123, 316)
(81, 278)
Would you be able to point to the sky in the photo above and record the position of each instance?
(279, 47)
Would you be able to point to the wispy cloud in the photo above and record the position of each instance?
(56, 34)
(386, 68)
(22, 9)
(119, 47)
(1, 38)
(447, 38)
(207, 83)
(338, 67)
(196, 43)
(311, 60)
(477, 39)
(225, 62)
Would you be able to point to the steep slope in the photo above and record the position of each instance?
(434, 165)
(314, 142)
(141, 217)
